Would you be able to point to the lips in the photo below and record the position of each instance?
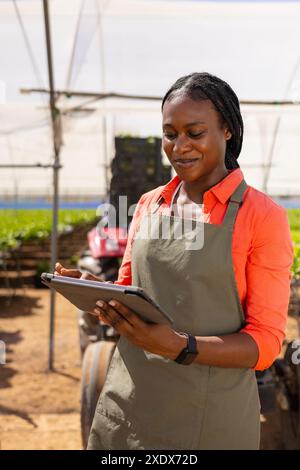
(185, 162)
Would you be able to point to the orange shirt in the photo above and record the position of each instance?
(262, 253)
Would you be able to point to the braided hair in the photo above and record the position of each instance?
(204, 86)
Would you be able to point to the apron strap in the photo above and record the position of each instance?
(234, 204)
(154, 208)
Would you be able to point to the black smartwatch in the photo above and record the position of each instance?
(189, 353)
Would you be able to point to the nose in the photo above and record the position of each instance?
(181, 144)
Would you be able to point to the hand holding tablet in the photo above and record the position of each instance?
(85, 293)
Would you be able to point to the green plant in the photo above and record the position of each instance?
(296, 263)
(294, 221)
(73, 260)
(43, 267)
(21, 225)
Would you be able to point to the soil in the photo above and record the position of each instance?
(40, 409)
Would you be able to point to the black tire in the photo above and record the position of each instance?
(90, 330)
(95, 364)
(288, 374)
(290, 436)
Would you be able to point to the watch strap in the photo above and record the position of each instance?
(189, 353)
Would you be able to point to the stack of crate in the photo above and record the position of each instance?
(136, 168)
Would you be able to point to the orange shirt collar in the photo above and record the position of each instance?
(222, 190)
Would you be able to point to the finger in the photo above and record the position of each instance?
(104, 316)
(99, 313)
(101, 316)
(116, 320)
(71, 272)
(102, 321)
(57, 268)
(89, 276)
(109, 311)
(127, 313)
(86, 275)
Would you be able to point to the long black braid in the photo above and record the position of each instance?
(203, 86)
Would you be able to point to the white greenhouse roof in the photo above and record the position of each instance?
(142, 47)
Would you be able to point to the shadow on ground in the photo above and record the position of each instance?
(4, 410)
(65, 374)
(18, 306)
(8, 339)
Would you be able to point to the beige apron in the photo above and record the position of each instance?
(150, 402)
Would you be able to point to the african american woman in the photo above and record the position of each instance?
(192, 385)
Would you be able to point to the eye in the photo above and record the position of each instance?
(169, 136)
(194, 135)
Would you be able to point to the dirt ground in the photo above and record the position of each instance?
(40, 409)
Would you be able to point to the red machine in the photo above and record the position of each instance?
(106, 249)
(107, 242)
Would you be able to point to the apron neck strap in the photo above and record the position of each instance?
(154, 208)
(234, 204)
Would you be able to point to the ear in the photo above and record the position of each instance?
(227, 134)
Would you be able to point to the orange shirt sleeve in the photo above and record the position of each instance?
(268, 285)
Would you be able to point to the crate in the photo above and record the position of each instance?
(136, 169)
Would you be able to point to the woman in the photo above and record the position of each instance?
(192, 385)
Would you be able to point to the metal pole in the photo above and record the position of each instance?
(56, 146)
(29, 165)
(103, 87)
(87, 94)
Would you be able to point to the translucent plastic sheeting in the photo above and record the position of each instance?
(142, 47)
(268, 159)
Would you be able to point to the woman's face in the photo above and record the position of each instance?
(193, 138)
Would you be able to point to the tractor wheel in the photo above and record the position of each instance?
(95, 364)
(288, 373)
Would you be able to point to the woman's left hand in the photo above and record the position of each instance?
(156, 339)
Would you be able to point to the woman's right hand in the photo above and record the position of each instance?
(61, 271)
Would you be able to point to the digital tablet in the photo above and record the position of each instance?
(84, 293)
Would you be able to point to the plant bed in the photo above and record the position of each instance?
(25, 259)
